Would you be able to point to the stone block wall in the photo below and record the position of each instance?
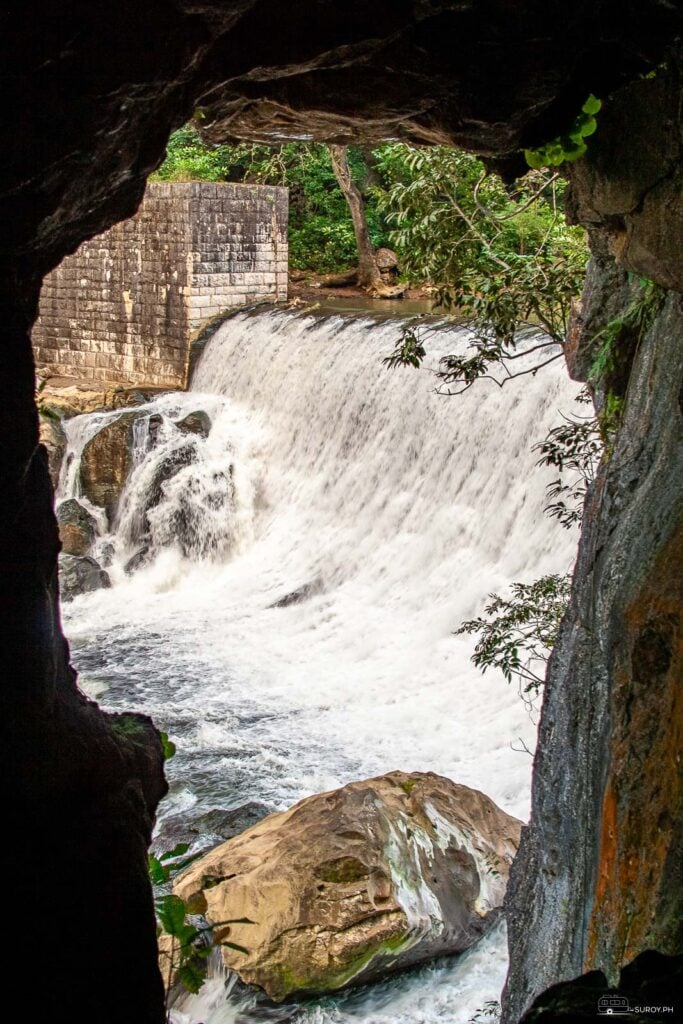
(126, 305)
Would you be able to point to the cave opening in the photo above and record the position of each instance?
(89, 103)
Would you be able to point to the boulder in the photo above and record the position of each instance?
(77, 528)
(195, 423)
(386, 259)
(349, 885)
(53, 437)
(80, 574)
(106, 461)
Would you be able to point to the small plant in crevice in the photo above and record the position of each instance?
(619, 341)
(517, 633)
(190, 940)
(571, 145)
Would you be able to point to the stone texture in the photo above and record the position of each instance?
(630, 183)
(52, 436)
(80, 575)
(597, 879)
(125, 306)
(106, 461)
(77, 528)
(195, 423)
(352, 884)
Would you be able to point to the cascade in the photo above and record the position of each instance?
(291, 626)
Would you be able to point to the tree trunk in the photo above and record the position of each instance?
(369, 276)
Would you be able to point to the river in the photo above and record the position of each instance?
(292, 629)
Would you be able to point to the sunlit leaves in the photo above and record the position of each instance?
(570, 146)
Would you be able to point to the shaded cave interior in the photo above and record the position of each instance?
(90, 100)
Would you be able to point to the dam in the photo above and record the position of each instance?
(127, 305)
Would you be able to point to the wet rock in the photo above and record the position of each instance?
(80, 574)
(105, 553)
(106, 461)
(207, 829)
(195, 423)
(165, 469)
(53, 437)
(302, 593)
(139, 559)
(350, 885)
(598, 871)
(77, 528)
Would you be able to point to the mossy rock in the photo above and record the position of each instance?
(53, 437)
(350, 885)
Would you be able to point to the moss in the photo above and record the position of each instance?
(408, 786)
(343, 869)
(128, 726)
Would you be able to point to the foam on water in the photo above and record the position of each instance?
(311, 643)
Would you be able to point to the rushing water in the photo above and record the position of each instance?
(292, 625)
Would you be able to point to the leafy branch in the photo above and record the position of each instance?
(517, 633)
(575, 447)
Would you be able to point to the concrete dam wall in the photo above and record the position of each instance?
(126, 306)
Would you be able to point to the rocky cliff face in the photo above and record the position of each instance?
(598, 876)
(89, 100)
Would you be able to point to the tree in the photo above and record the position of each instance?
(368, 274)
(503, 258)
(321, 230)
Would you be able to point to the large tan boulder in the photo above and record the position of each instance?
(106, 461)
(349, 885)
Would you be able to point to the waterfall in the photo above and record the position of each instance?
(292, 627)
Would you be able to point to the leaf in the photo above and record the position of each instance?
(168, 748)
(592, 105)
(233, 945)
(192, 976)
(534, 159)
(171, 913)
(157, 872)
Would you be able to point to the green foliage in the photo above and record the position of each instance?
(517, 633)
(321, 235)
(570, 146)
(630, 326)
(573, 448)
(191, 940)
(409, 352)
(168, 747)
(504, 259)
(620, 339)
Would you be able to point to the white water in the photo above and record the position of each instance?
(401, 511)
